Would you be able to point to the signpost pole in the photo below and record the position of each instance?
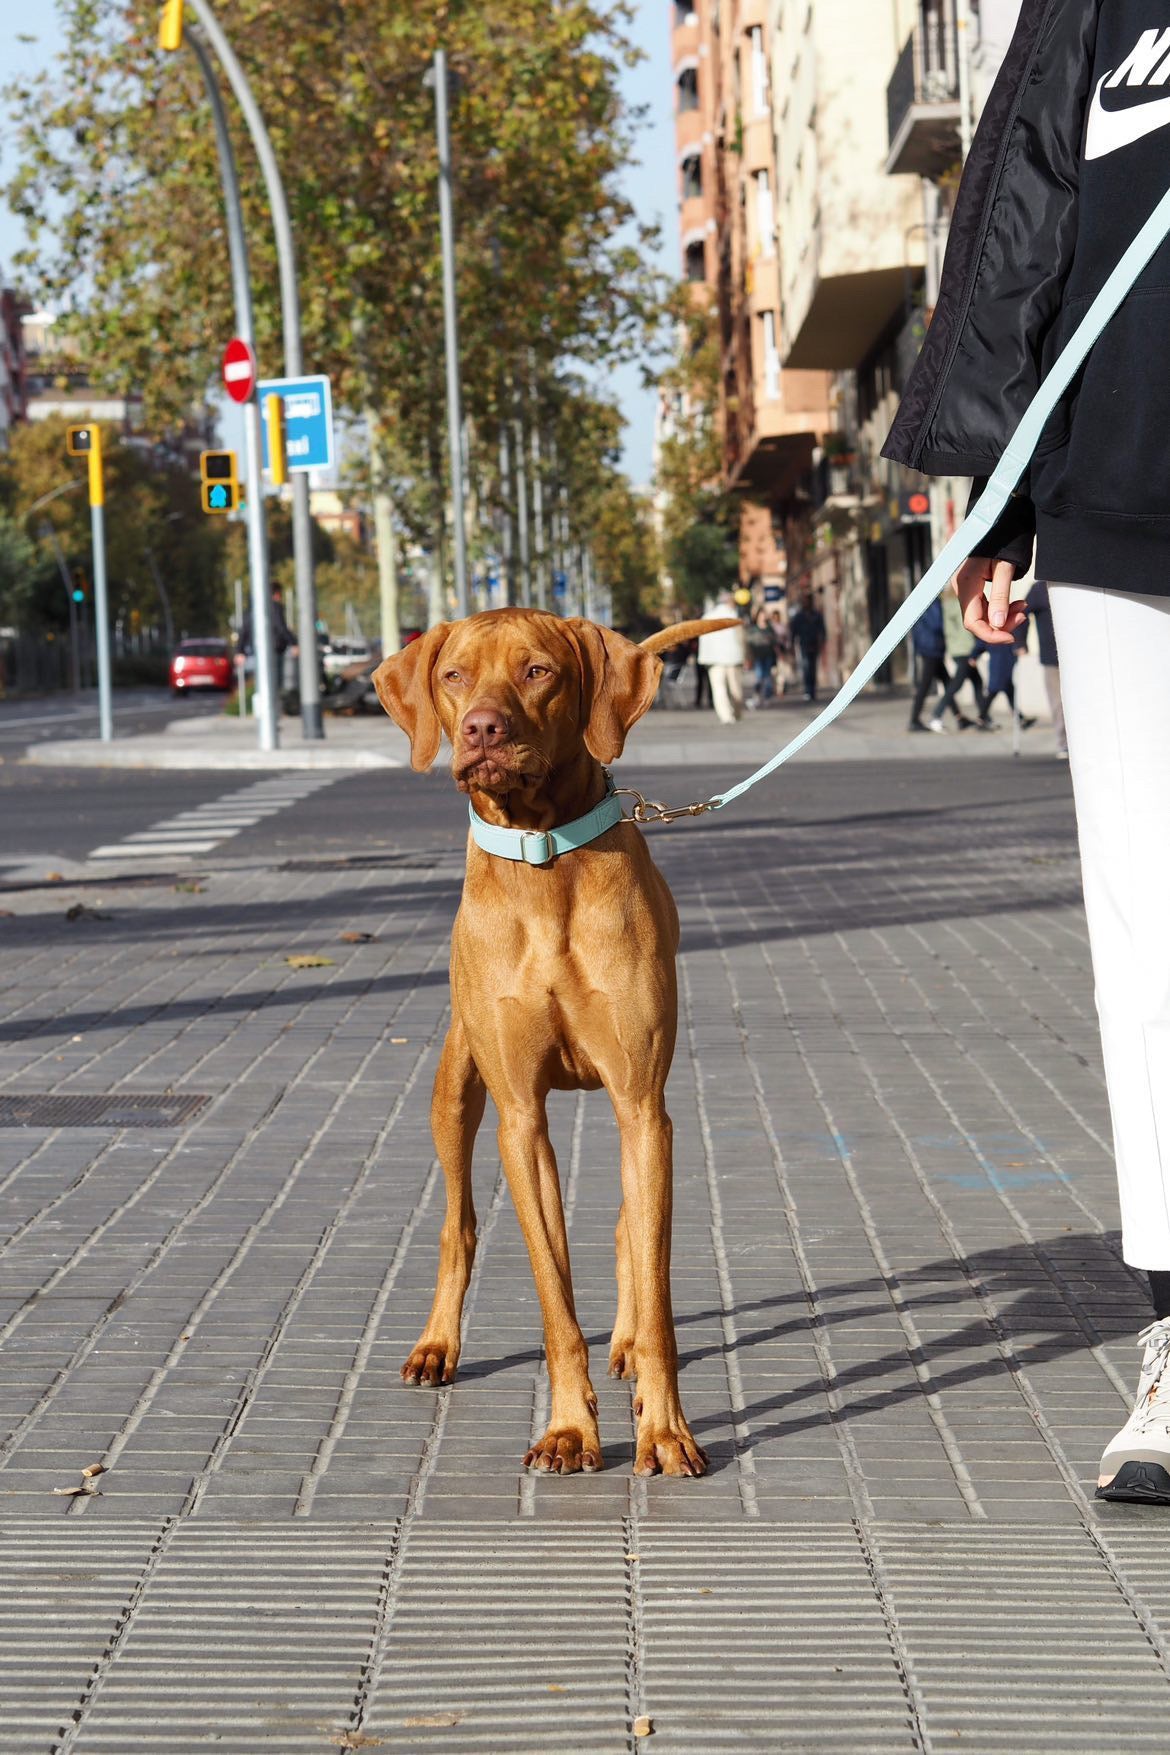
(101, 600)
(438, 76)
(268, 705)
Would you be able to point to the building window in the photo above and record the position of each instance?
(695, 259)
(765, 214)
(688, 89)
(692, 170)
(771, 357)
(759, 72)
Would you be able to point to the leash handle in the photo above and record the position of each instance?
(991, 503)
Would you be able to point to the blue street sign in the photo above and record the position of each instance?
(773, 593)
(560, 584)
(308, 420)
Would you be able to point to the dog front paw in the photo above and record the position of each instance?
(668, 1448)
(621, 1357)
(565, 1451)
(433, 1362)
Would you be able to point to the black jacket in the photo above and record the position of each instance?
(1070, 157)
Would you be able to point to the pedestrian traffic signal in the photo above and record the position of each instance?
(87, 442)
(80, 592)
(170, 30)
(79, 441)
(221, 496)
(221, 489)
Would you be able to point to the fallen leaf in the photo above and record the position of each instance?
(92, 1469)
(433, 1718)
(643, 1726)
(309, 962)
(79, 911)
(358, 938)
(81, 1492)
(189, 889)
(706, 1593)
(399, 1040)
(633, 1556)
(557, 1688)
(356, 1740)
(54, 877)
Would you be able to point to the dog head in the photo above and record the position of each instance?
(519, 694)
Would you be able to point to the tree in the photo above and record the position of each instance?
(153, 520)
(700, 522)
(115, 143)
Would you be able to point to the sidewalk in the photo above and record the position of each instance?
(904, 1324)
(874, 728)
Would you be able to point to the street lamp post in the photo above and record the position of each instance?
(437, 77)
(269, 722)
(310, 687)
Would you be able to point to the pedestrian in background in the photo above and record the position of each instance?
(960, 646)
(762, 651)
(1001, 672)
(723, 655)
(1040, 607)
(930, 662)
(807, 632)
(1061, 176)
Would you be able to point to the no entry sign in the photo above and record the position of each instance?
(239, 370)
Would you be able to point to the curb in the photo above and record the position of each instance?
(90, 753)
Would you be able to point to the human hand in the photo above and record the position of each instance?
(991, 617)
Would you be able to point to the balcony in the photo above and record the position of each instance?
(922, 98)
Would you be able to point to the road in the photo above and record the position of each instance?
(136, 711)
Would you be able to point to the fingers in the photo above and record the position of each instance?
(999, 601)
(994, 622)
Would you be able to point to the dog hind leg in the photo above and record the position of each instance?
(457, 1107)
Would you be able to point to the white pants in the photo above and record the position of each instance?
(727, 691)
(1115, 680)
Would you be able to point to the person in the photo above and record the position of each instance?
(282, 634)
(807, 631)
(762, 652)
(960, 644)
(1001, 673)
(1069, 161)
(722, 655)
(1040, 609)
(930, 662)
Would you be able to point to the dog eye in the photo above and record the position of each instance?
(452, 676)
(536, 670)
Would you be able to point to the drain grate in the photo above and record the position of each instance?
(43, 1109)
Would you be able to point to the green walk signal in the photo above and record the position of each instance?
(220, 496)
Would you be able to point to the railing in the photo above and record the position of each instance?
(927, 70)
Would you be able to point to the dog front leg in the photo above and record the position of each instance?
(666, 1444)
(457, 1106)
(622, 1362)
(572, 1440)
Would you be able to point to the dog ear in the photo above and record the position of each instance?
(404, 688)
(620, 683)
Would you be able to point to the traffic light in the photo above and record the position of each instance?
(221, 489)
(170, 30)
(277, 455)
(87, 442)
(79, 441)
(80, 592)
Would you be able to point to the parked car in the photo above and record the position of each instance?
(201, 664)
(341, 655)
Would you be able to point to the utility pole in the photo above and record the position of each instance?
(86, 441)
(437, 78)
(290, 304)
(268, 718)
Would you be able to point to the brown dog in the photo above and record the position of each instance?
(562, 978)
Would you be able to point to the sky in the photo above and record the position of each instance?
(649, 179)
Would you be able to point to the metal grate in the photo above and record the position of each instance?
(42, 1109)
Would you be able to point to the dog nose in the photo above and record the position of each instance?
(485, 726)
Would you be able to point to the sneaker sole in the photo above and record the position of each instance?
(1138, 1483)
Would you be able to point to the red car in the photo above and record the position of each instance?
(201, 664)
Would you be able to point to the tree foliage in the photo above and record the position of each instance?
(700, 524)
(115, 143)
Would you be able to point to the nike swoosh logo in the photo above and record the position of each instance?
(1109, 130)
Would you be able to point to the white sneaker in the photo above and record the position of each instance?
(1136, 1466)
(936, 725)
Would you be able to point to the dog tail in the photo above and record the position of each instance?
(674, 636)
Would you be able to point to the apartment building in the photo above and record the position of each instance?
(875, 104)
(772, 419)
